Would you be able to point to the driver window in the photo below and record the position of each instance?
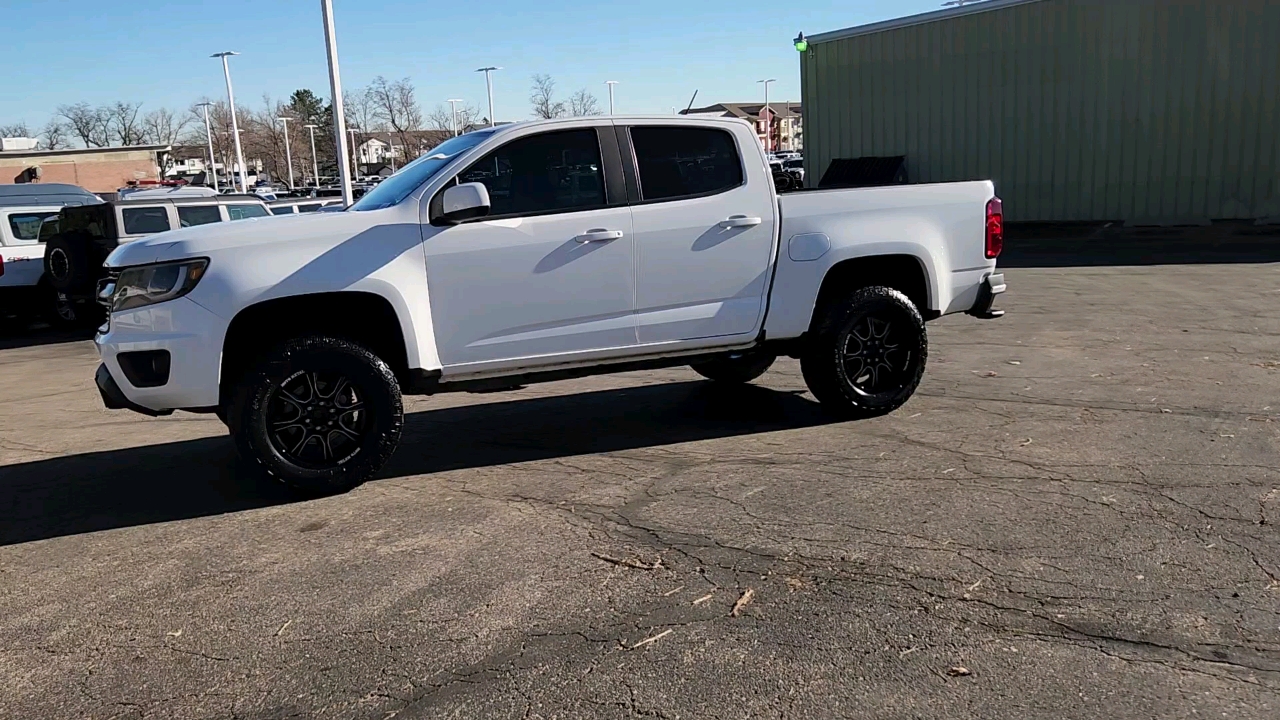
(551, 172)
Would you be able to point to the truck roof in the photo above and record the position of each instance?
(45, 194)
(605, 119)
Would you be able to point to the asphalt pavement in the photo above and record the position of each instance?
(1076, 517)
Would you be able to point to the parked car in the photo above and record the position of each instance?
(75, 247)
(24, 209)
(294, 206)
(490, 264)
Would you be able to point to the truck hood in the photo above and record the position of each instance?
(215, 238)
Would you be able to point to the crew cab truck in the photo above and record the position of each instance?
(26, 212)
(538, 251)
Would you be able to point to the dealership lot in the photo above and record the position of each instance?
(1075, 517)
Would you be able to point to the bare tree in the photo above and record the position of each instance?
(543, 98)
(18, 129)
(395, 107)
(54, 135)
(360, 110)
(87, 123)
(441, 118)
(583, 103)
(164, 127)
(125, 123)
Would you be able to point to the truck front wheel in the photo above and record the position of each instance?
(319, 414)
(867, 353)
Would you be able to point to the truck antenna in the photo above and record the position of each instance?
(695, 97)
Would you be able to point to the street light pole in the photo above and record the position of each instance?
(355, 153)
(610, 83)
(208, 133)
(315, 164)
(288, 154)
(488, 83)
(235, 127)
(453, 106)
(335, 87)
(768, 139)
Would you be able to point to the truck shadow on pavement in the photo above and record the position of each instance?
(198, 478)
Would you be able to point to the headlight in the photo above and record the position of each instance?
(150, 284)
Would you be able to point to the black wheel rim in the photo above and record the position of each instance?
(878, 354)
(317, 420)
(59, 265)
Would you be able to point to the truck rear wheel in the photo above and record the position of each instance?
(735, 370)
(320, 414)
(867, 354)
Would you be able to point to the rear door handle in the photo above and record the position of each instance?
(598, 235)
(737, 221)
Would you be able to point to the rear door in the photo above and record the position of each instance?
(704, 227)
(20, 244)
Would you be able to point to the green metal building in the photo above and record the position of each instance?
(1161, 111)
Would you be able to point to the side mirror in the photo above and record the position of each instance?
(463, 202)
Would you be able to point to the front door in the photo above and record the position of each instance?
(704, 232)
(550, 272)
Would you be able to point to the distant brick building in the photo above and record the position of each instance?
(98, 170)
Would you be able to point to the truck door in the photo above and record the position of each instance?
(550, 271)
(704, 231)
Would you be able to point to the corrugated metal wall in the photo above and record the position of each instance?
(1078, 109)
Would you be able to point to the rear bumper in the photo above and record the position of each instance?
(113, 397)
(991, 287)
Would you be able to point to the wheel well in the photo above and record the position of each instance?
(360, 317)
(903, 273)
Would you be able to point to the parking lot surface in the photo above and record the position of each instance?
(1076, 517)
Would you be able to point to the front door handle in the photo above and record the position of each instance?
(737, 221)
(598, 235)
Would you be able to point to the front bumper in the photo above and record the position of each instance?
(114, 399)
(992, 286)
(193, 338)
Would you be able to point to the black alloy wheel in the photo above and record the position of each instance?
(317, 420)
(867, 353)
(319, 414)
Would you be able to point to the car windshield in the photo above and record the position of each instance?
(397, 187)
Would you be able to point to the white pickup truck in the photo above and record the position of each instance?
(530, 252)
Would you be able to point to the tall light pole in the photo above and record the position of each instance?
(610, 83)
(453, 106)
(288, 154)
(355, 153)
(768, 139)
(235, 126)
(335, 87)
(208, 133)
(488, 83)
(315, 164)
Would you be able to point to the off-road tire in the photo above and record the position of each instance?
(275, 393)
(735, 370)
(827, 363)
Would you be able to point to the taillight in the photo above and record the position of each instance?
(995, 228)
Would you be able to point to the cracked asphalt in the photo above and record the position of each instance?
(1074, 518)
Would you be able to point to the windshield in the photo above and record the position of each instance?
(397, 187)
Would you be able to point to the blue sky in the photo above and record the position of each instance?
(66, 51)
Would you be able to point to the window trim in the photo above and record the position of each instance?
(629, 153)
(435, 207)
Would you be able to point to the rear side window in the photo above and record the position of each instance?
(240, 212)
(310, 207)
(281, 209)
(25, 226)
(679, 162)
(145, 220)
(192, 215)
